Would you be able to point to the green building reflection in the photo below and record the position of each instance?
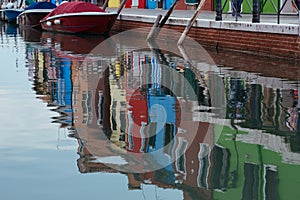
(261, 139)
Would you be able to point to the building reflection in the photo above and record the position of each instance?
(51, 80)
(139, 117)
(121, 108)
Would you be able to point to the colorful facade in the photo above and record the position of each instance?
(166, 4)
(267, 7)
(136, 4)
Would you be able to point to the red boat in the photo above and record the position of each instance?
(79, 17)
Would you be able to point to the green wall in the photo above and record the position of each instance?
(247, 6)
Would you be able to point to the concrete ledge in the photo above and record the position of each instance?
(289, 29)
(267, 39)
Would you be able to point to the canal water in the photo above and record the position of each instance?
(89, 117)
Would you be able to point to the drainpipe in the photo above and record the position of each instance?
(299, 23)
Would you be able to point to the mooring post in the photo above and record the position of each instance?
(21, 3)
(118, 13)
(190, 65)
(191, 22)
(218, 10)
(256, 11)
(121, 7)
(166, 17)
(159, 24)
(154, 30)
(105, 4)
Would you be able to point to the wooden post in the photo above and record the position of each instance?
(157, 26)
(118, 13)
(161, 59)
(20, 4)
(121, 7)
(153, 32)
(191, 22)
(105, 4)
(188, 61)
(166, 17)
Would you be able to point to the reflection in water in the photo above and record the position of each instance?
(118, 107)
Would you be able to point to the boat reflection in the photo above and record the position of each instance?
(72, 44)
(30, 34)
(157, 118)
(10, 29)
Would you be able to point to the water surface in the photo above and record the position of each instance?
(85, 118)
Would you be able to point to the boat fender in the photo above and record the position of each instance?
(48, 23)
(57, 21)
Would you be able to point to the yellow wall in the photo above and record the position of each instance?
(113, 3)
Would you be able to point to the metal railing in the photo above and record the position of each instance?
(256, 8)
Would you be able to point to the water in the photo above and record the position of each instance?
(118, 118)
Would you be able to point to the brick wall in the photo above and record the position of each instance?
(237, 50)
(265, 44)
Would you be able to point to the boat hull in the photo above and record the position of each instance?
(12, 14)
(31, 18)
(90, 23)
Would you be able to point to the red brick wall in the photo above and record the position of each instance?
(266, 44)
(261, 43)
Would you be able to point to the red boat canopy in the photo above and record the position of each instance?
(74, 7)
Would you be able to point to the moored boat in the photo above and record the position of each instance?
(11, 14)
(12, 10)
(79, 17)
(32, 15)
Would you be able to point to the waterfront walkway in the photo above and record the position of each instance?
(289, 23)
(210, 15)
(266, 38)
